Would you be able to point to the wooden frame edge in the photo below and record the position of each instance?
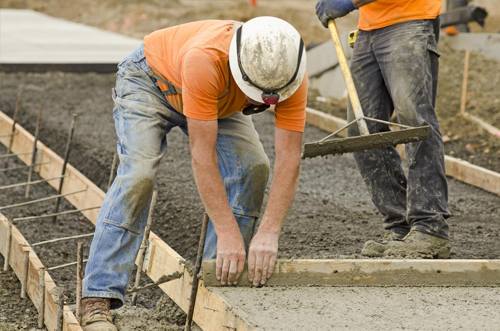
(17, 246)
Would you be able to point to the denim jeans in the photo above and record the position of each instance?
(396, 69)
(143, 118)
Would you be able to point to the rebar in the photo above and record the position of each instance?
(65, 265)
(142, 250)
(35, 182)
(112, 172)
(52, 215)
(23, 166)
(33, 156)
(6, 156)
(40, 200)
(62, 239)
(8, 241)
(66, 157)
(41, 297)
(199, 258)
(8, 135)
(79, 279)
(163, 279)
(14, 118)
(60, 309)
(26, 266)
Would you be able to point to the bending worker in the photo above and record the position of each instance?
(202, 77)
(395, 68)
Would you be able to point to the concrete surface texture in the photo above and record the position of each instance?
(29, 37)
(315, 308)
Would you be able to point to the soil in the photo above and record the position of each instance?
(331, 217)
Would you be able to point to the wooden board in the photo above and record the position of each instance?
(211, 311)
(488, 127)
(374, 272)
(18, 245)
(461, 170)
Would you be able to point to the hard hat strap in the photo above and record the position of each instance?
(269, 96)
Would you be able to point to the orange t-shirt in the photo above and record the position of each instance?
(195, 58)
(382, 13)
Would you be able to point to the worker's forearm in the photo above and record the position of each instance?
(361, 3)
(283, 187)
(212, 191)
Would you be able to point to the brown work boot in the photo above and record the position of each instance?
(96, 315)
(418, 245)
(376, 248)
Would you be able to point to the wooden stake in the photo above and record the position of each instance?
(16, 112)
(8, 244)
(41, 297)
(142, 251)
(60, 309)
(26, 266)
(112, 172)
(79, 279)
(199, 258)
(33, 156)
(464, 83)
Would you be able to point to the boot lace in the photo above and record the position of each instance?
(97, 307)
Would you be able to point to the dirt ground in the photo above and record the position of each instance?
(332, 215)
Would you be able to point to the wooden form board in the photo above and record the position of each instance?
(374, 272)
(459, 169)
(211, 312)
(17, 246)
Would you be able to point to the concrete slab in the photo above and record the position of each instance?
(487, 44)
(32, 41)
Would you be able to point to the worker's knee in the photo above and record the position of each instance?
(128, 202)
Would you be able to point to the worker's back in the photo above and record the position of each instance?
(383, 13)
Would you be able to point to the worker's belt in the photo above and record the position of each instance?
(172, 90)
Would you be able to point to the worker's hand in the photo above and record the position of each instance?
(262, 257)
(333, 9)
(230, 257)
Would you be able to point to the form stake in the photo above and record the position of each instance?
(142, 251)
(66, 157)
(33, 156)
(41, 297)
(26, 266)
(8, 242)
(79, 278)
(16, 111)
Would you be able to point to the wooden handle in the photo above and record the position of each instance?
(351, 89)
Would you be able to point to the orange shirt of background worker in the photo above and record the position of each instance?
(382, 13)
(194, 57)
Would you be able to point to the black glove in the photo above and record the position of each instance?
(333, 9)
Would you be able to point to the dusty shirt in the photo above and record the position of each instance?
(382, 13)
(195, 58)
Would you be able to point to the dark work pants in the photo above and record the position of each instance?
(396, 69)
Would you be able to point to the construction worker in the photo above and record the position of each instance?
(395, 68)
(205, 78)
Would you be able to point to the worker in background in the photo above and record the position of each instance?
(395, 68)
(205, 78)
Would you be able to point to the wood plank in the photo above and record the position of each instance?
(211, 311)
(488, 127)
(325, 121)
(374, 272)
(18, 245)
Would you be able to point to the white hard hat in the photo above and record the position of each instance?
(267, 59)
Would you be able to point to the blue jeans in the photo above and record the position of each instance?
(396, 69)
(143, 118)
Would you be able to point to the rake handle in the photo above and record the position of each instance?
(351, 89)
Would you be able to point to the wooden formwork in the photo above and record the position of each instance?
(212, 311)
(18, 244)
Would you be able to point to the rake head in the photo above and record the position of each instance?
(362, 143)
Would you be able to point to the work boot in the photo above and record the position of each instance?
(376, 248)
(419, 245)
(96, 315)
